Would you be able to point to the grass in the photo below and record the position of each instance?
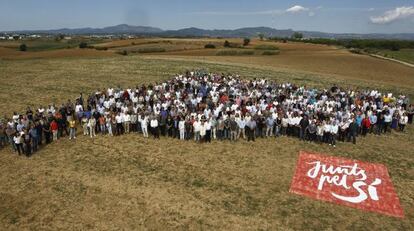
(406, 55)
(133, 183)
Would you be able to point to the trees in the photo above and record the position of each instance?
(261, 36)
(246, 41)
(297, 35)
(226, 44)
(83, 45)
(209, 46)
(23, 47)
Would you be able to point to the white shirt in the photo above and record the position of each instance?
(154, 123)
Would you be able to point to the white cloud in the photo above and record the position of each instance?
(311, 14)
(395, 14)
(296, 9)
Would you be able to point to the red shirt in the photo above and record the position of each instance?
(53, 126)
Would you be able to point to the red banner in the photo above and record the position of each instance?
(347, 182)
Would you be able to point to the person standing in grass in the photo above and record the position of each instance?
(127, 122)
(108, 121)
(410, 113)
(144, 125)
(333, 133)
(373, 119)
(84, 124)
(72, 129)
(46, 131)
(353, 131)
(403, 122)
(251, 130)
(196, 128)
(54, 127)
(366, 125)
(233, 129)
(91, 126)
(27, 138)
(119, 121)
(181, 127)
(387, 122)
(154, 127)
(102, 124)
(18, 142)
(35, 137)
(320, 131)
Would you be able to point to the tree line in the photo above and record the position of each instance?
(385, 44)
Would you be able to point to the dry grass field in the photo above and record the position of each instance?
(132, 183)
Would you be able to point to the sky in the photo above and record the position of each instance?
(346, 16)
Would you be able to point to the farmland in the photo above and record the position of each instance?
(134, 183)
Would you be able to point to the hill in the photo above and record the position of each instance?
(197, 32)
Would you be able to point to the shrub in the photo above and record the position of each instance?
(226, 44)
(355, 51)
(266, 47)
(234, 52)
(270, 53)
(124, 52)
(23, 47)
(210, 46)
(151, 50)
(246, 42)
(83, 45)
(101, 48)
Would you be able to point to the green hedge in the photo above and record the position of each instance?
(266, 47)
(234, 52)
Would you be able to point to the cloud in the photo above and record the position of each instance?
(393, 15)
(311, 14)
(296, 9)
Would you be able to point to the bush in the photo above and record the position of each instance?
(151, 50)
(124, 52)
(83, 45)
(355, 51)
(246, 42)
(270, 53)
(234, 52)
(226, 44)
(101, 48)
(210, 46)
(266, 47)
(23, 47)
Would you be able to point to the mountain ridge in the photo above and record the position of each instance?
(198, 32)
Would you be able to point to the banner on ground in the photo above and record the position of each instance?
(347, 182)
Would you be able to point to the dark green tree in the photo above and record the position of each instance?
(23, 47)
(246, 41)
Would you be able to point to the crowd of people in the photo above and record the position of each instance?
(204, 106)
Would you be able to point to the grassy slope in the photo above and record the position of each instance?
(406, 55)
(130, 182)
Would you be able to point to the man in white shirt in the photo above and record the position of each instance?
(196, 126)
(154, 127)
(144, 125)
(119, 119)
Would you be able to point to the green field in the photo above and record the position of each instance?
(406, 55)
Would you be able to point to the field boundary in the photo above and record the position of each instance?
(391, 59)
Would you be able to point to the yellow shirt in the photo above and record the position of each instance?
(72, 124)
